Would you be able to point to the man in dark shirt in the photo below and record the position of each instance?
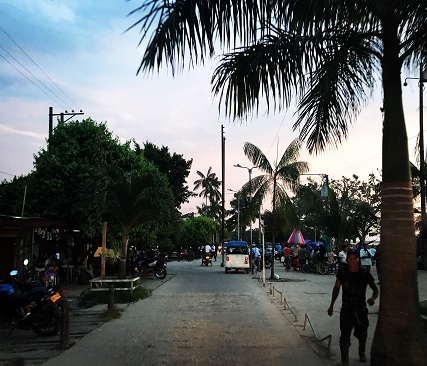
(354, 312)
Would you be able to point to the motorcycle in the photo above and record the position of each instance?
(150, 264)
(186, 255)
(37, 308)
(207, 260)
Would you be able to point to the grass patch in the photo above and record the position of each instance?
(91, 298)
(112, 314)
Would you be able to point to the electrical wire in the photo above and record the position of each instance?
(26, 54)
(35, 77)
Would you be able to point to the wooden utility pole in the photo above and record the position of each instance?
(104, 247)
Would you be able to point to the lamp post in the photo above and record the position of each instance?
(250, 196)
(238, 212)
(421, 80)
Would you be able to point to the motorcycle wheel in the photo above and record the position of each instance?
(323, 269)
(305, 268)
(46, 320)
(268, 263)
(160, 273)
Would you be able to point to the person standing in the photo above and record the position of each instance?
(365, 258)
(354, 312)
(303, 255)
(256, 256)
(287, 255)
(213, 251)
(342, 258)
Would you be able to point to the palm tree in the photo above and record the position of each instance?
(277, 179)
(134, 199)
(329, 55)
(209, 185)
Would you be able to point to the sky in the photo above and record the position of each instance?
(76, 55)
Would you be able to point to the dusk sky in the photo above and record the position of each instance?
(76, 55)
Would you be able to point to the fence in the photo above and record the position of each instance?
(273, 291)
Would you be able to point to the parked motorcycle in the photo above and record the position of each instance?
(36, 309)
(141, 263)
(186, 255)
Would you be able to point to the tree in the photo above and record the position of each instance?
(174, 166)
(276, 180)
(197, 231)
(134, 199)
(359, 206)
(13, 195)
(209, 185)
(332, 53)
(74, 166)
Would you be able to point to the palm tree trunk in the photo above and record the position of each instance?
(122, 264)
(399, 319)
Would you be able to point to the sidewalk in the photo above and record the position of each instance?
(310, 294)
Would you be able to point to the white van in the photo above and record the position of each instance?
(237, 256)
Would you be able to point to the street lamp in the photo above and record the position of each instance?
(238, 212)
(421, 80)
(250, 195)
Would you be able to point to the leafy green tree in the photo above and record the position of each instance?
(359, 205)
(197, 231)
(13, 195)
(332, 53)
(134, 199)
(174, 166)
(75, 165)
(277, 179)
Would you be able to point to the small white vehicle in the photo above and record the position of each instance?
(237, 256)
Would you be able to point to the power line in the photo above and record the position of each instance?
(35, 77)
(4, 58)
(7, 173)
(26, 54)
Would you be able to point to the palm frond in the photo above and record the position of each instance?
(189, 27)
(257, 157)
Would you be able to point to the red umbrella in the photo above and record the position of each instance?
(296, 238)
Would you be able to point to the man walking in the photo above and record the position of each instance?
(354, 312)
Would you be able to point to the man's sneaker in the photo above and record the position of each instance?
(363, 358)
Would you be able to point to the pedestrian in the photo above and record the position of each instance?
(213, 251)
(365, 258)
(354, 312)
(331, 262)
(342, 258)
(256, 256)
(303, 255)
(287, 255)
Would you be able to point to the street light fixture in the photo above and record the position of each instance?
(250, 195)
(238, 212)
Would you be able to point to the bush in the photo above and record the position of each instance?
(91, 298)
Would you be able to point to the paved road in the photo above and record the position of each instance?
(173, 327)
(201, 316)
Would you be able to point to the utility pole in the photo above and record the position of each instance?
(61, 119)
(423, 229)
(223, 193)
